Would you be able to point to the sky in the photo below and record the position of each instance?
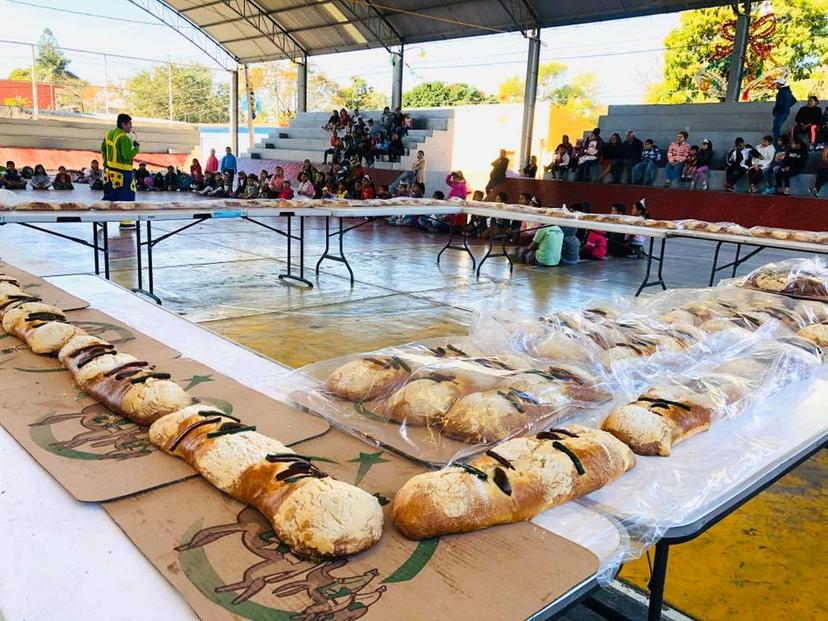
(624, 55)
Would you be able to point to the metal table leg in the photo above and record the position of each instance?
(464, 247)
(714, 269)
(734, 265)
(502, 253)
(289, 275)
(139, 262)
(106, 249)
(95, 248)
(341, 257)
(659, 281)
(657, 581)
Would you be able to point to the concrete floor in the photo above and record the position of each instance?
(769, 556)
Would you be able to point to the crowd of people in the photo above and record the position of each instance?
(768, 167)
(352, 136)
(12, 178)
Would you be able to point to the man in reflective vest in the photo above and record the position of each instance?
(117, 153)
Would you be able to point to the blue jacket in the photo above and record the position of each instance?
(784, 101)
(228, 163)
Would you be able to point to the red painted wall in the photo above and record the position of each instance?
(808, 214)
(14, 89)
(77, 159)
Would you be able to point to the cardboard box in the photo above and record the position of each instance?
(98, 455)
(37, 286)
(222, 556)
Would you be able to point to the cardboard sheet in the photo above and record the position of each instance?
(97, 455)
(45, 379)
(224, 560)
(37, 286)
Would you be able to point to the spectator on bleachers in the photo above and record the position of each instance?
(196, 175)
(645, 171)
(335, 149)
(760, 166)
(457, 184)
(690, 164)
(531, 169)
(333, 121)
(612, 159)
(807, 122)
(212, 164)
(373, 128)
(344, 120)
(782, 106)
(568, 146)
(595, 247)
(498, 172)
(589, 156)
(676, 156)
(381, 145)
(559, 166)
(700, 170)
(822, 174)
(396, 148)
(633, 148)
(94, 176)
(387, 119)
(739, 159)
(12, 179)
(794, 163)
(40, 180)
(62, 180)
(822, 132)
(782, 147)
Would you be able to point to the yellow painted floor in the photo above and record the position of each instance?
(769, 560)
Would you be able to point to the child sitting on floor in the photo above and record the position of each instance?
(545, 248)
(62, 180)
(595, 247)
(286, 192)
(12, 179)
(571, 246)
(40, 180)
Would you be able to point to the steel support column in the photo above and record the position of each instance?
(737, 57)
(234, 111)
(302, 85)
(530, 95)
(397, 81)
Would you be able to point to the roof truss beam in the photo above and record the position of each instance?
(262, 21)
(522, 14)
(374, 21)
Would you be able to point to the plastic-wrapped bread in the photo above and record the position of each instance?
(41, 326)
(662, 417)
(514, 482)
(314, 514)
(489, 416)
(367, 378)
(817, 333)
(424, 401)
(120, 381)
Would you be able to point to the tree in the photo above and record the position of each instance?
(791, 40)
(195, 97)
(441, 95)
(577, 95)
(358, 95)
(275, 86)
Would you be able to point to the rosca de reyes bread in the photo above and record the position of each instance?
(120, 381)
(513, 482)
(42, 327)
(314, 514)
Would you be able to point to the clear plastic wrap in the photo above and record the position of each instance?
(809, 237)
(798, 278)
(436, 408)
(729, 228)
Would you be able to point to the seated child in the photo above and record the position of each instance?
(12, 179)
(62, 180)
(545, 248)
(571, 246)
(286, 192)
(40, 180)
(595, 247)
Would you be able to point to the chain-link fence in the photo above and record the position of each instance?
(43, 79)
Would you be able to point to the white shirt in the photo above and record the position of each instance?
(767, 156)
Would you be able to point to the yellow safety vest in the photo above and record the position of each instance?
(111, 154)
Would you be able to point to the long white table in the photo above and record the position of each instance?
(73, 563)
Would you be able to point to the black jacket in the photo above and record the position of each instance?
(633, 150)
(809, 116)
(784, 101)
(704, 157)
(795, 159)
(613, 151)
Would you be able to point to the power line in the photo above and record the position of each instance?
(84, 13)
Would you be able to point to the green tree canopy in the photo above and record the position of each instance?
(195, 97)
(577, 95)
(441, 95)
(51, 64)
(358, 95)
(693, 71)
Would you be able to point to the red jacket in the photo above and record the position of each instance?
(596, 245)
(286, 193)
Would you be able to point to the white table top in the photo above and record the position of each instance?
(32, 217)
(93, 570)
(770, 242)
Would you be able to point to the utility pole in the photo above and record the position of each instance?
(34, 85)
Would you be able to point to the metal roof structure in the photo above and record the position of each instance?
(259, 30)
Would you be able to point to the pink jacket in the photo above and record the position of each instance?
(458, 188)
(678, 152)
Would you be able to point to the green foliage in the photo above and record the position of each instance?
(195, 98)
(358, 95)
(51, 64)
(800, 44)
(577, 95)
(441, 95)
